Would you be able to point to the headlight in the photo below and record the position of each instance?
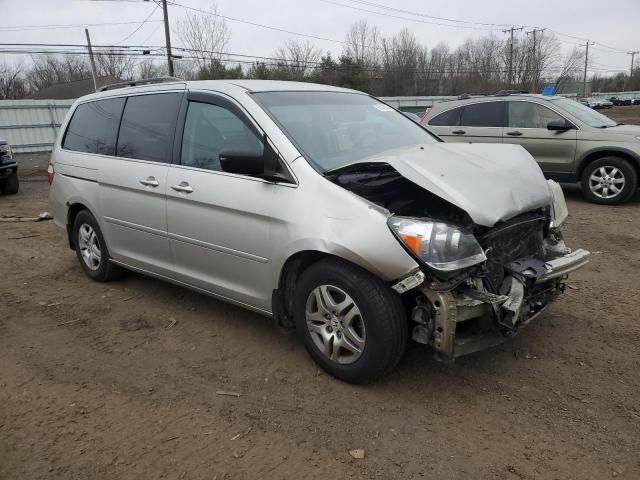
(559, 210)
(441, 246)
(638, 138)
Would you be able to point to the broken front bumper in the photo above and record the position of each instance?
(468, 318)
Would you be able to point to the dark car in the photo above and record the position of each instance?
(8, 170)
(620, 101)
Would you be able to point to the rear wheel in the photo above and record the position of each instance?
(10, 185)
(352, 324)
(609, 181)
(91, 249)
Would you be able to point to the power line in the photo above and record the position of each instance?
(139, 26)
(399, 10)
(255, 24)
(405, 18)
(20, 28)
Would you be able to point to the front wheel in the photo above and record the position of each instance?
(351, 323)
(609, 181)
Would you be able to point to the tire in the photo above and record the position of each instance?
(379, 332)
(86, 237)
(614, 172)
(11, 185)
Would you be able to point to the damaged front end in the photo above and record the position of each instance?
(477, 284)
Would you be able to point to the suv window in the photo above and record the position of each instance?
(530, 115)
(485, 114)
(147, 127)
(94, 127)
(450, 118)
(208, 130)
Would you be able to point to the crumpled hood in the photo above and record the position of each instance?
(491, 182)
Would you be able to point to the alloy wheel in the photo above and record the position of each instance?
(335, 324)
(89, 246)
(606, 181)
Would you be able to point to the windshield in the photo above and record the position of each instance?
(584, 113)
(334, 129)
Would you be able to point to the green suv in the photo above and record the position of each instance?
(570, 141)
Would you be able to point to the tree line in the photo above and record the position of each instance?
(384, 66)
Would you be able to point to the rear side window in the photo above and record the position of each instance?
(94, 127)
(485, 114)
(147, 127)
(450, 118)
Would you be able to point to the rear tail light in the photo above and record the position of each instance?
(50, 173)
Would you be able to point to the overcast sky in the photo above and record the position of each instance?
(614, 23)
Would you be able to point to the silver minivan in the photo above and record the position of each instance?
(321, 207)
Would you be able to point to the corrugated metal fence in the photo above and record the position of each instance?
(31, 125)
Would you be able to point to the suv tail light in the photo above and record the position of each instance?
(50, 173)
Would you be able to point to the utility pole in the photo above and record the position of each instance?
(586, 62)
(511, 30)
(534, 74)
(167, 37)
(93, 63)
(633, 54)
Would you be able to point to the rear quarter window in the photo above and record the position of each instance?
(94, 127)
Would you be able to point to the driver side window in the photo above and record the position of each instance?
(530, 115)
(210, 129)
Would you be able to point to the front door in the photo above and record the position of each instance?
(218, 222)
(527, 126)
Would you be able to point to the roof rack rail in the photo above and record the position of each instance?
(134, 83)
(511, 92)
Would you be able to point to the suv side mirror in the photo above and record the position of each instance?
(243, 162)
(559, 125)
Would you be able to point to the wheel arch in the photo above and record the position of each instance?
(594, 155)
(72, 213)
(293, 267)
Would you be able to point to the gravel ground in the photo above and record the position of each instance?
(122, 380)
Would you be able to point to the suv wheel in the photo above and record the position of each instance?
(351, 323)
(91, 249)
(10, 185)
(609, 181)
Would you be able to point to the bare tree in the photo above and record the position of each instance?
(206, 35)
(115, 64)
(12, 84)
(47, 70)
(570, 66)
(150, 69)
(362, 43)
(297, 58)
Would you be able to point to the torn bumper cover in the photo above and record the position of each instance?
(468, 318)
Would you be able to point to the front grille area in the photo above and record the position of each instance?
(518, 238)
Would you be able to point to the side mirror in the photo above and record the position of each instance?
(559, 126)
(242, 162)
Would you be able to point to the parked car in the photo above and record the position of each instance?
(604, 103)
(591, 103)
(621, 101)
(9, 183)
(572, 143)
(319, 206)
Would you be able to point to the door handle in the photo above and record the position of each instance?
(459, 132)
(515, 133)
(150, 182)
(182, 187)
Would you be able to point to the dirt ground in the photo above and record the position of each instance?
(121, 380)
